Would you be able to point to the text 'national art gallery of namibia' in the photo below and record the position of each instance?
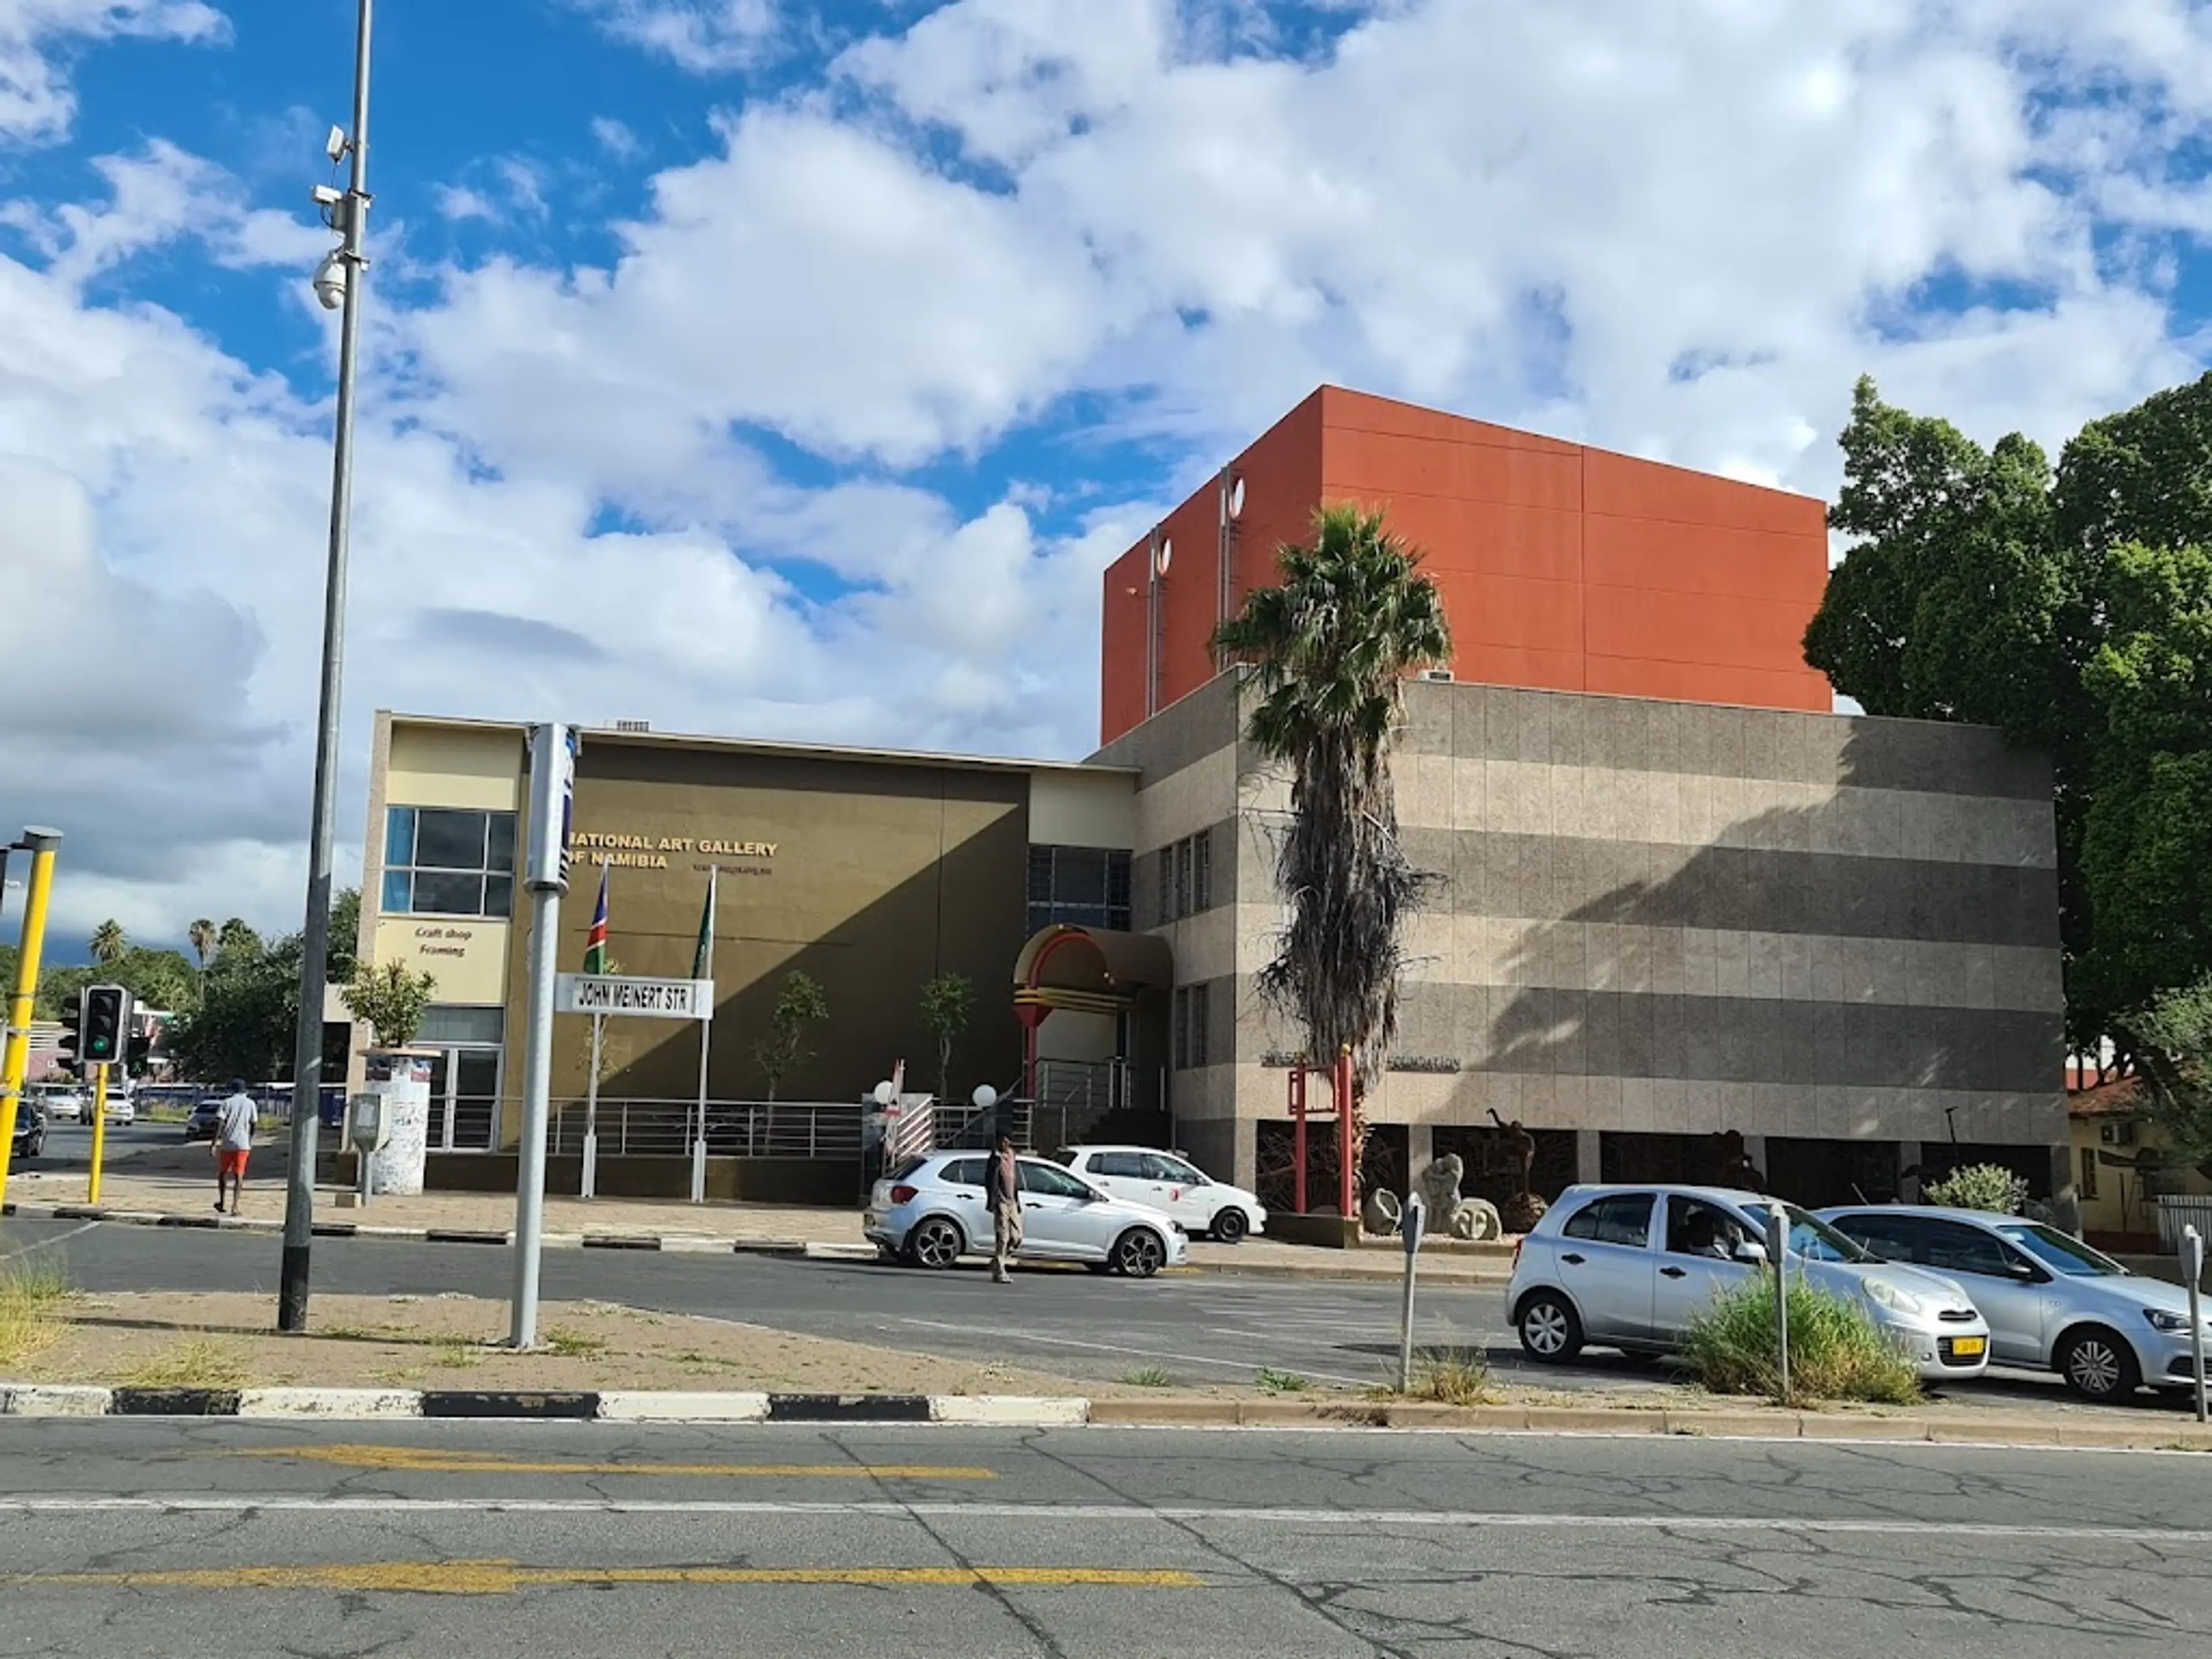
(1678, 900)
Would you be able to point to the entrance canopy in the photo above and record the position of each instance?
(1088, 970)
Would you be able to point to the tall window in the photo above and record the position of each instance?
(1187, 1014)
(442, 861)
(1079, 887)
(1187, 877)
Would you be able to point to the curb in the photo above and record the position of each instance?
(1034, 1412)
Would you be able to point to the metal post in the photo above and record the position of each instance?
(1347, 1159)
(1412, 1220)
(1778, 1248)
(1298, 1139)
(16, 1057)
(99, 1131)
(551, 776)
(314, 938)
(2192, 1264)
(591, 1110)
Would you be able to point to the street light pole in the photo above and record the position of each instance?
(349, 217)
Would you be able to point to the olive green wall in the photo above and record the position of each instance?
(885, 874)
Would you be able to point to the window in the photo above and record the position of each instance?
(1951, 1247)
(1623, 1220)
(1187, 1037)
(963, 1172)
(1162, 1168)
(1187, 877)
(1079, 887)
(2056, 1251)
(443, 861)
(1122, 1165)
(1052, 1181)
(2089, 1173)
(1697, 1228)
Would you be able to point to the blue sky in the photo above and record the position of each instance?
(749, 366)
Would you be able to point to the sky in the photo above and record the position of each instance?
(788, 370)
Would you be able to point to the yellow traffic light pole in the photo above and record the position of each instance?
(42, 845)
(99, 1130)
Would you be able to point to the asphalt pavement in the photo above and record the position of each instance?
(1198, 1328)
(136, 1538)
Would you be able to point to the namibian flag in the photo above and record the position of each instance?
(595, 943)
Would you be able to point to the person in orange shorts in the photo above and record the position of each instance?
(234, 1142)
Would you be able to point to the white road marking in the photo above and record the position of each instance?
(48, 1244)
(1242, 1365)
(190, 1504)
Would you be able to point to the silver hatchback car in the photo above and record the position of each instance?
(2053, 1304)
(931, 1211)
(1629, 1267)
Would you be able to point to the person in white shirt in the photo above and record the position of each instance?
(234, 1140)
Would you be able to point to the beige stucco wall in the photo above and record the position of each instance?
(1075, 809)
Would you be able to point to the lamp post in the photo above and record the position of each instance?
(338, 284)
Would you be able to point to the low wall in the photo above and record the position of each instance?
(753, 1180)
(1331, 1232)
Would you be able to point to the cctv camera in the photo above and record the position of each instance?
(335, 145)
(330, 280)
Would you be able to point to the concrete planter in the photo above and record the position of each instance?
(402, 1077)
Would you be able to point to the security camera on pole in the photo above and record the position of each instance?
(545, 873)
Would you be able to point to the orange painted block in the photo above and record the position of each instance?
(1621, 486)
(1377, 465)
(1693, 558)
(1702, 628)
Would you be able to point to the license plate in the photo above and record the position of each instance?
(1968, 1347)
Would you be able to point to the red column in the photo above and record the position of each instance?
(1298, 1139)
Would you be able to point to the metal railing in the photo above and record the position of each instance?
(2177, 1211)
(631, 1128)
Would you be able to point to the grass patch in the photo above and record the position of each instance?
(572, 1343)
(197, 1362)
(32, 1295)
(1153, 1377)
(1449, 1376)
(457, 1353)
(1271, 1380)
(1836, 1351)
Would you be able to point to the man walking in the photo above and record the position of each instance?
(234, 1140)
(1003, 1188)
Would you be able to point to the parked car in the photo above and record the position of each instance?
(2053, 1303)
(204, 1122)
(1172, 1184)
(1629, 1267)
(62, 1103)
(120, 1108)
(30, 1129)
(931, 1211)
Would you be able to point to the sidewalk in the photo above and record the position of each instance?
(175, 1183)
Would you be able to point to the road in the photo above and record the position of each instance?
(69, 1145)
(1197, 1327)
(136, 1538)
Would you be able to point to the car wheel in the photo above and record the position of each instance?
(1138, 1254)
(2097, 1364)
(935, 1243)
(1230, 1224)
(1548, 1328)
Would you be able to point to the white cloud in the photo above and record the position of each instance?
(458, 204)
(37, 100)
(704, 36)
(616, 139)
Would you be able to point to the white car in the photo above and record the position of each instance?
(1172, 1184)
(931, 1211)
(120, 1109)
(62, 1105)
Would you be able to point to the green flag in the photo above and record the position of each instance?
(595, 942)
(703, 959)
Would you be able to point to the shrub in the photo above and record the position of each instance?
(1449, 1376)
(1979, 1187)
(1836, 1349)
(32, 1294)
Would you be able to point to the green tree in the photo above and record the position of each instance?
(947, 1003)
(1327, 654)
(249, 1018)
(202, 934)
(234, 939)
(345, 934)
(391, 997)
(2175, 1033)
(2073, 610)
(797, 1004)
(109, 943)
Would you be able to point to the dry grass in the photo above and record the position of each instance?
(197, 1362)
(32, 1294)
(572, 1343)
(1449, 1376)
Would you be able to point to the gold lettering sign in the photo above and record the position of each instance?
(646, 852)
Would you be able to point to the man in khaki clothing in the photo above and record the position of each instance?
(1002, 1186)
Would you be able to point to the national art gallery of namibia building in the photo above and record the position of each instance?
(1680, 901)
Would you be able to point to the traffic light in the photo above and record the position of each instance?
(72, 1037)
(142, 1043)
(103, 1027)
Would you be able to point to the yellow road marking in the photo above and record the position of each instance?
(506, 1577)
(428, 1460)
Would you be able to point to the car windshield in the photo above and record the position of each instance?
(2056, 1251)
(1812, 1237)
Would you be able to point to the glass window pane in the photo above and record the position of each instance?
(399, 835)
(1040, 875)
(447, 893)
(499, 895)
(395, 890)
(1078, 875)
(502, 842)
(447, 840)
(1117, 879)
(451, 1023)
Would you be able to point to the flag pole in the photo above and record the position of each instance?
(595, 962)
(702, 966)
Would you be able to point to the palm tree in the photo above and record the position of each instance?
(109, 944)
(1327, 653)
(202, 934)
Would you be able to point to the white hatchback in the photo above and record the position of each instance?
(1172, 1184)
(932, 1211)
